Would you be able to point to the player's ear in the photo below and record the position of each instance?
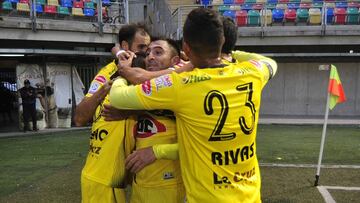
(175, 60)
(124, 45)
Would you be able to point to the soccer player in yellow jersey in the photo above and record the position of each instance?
(217, 110)
(102, 178)
(160, 181)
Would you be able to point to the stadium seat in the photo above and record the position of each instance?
(305, 5)
(89, 12)
(108, 2)
(241, 17)
(329, 15)
(23, 7)
(39, 8)
(306, 1)
(53, 2)
(293, 6)
(230, 14)
(314, 16)
(78, 4)
(330, 5)
(294, 1)
(352, 15)
(77, 12)
(222, 9)
(235, 7)
(261, 2)
(250, 1)
(278, 15)
(246, 7)
(290, 15)
(318, 5)
(281, 6)
(67, 3)
(24, 1)
(266, 17)
(253, 18)
(228, 1)
(257, 6)
(353, 4)
(272, 1)
(49, 9)
(41, 2)
(89, 5)
(341, 5)
(340, 15)
(217, 2)
(14, 1)
(283, 1)
(64, 11)
(6, 5)
(239, 1)
(302, 15)
(270, 6)
(318, 1)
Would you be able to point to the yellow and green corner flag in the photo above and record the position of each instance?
(336, 91)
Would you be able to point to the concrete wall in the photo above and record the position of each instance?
(137, 11)
(300, 89)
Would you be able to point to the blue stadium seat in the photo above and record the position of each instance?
(203, 2)
(106, 2)
(246, 7)
(293, 6)
(228, 1)
(39, 8)
(89, 12)
(6, 6)
(330, 15)
(67, 3)
(278, 15)
(341, 5)
(272, 1)
(230, 14)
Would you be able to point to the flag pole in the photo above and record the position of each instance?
(322, 140)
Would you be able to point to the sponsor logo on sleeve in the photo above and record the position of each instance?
(163, 81)
(95, 85)
(101, 79)
(146, 87)
(255, 63)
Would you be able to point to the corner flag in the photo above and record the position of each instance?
(336, 91)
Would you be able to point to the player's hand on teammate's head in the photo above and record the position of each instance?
(139, 159)
(125, 59)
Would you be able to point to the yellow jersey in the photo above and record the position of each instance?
(217, 112)
(109, 145)
(153, 129)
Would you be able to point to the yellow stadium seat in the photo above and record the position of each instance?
(261, 1)
(53, 3)
(306, 1)
(314, 16)
(77, 12)
(266, 17)
(330, 4)
(23, 7)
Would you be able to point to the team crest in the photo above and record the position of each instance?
(147, 126)
(95, 85)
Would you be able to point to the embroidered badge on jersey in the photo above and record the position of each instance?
(163, 81)
(101, 79)
(95, 85)
(146, 87)
(147, 126)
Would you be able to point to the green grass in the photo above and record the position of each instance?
(46, 168)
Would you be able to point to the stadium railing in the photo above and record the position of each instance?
(77, 12)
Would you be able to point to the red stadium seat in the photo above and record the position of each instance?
(239, 1)
(305, 5)
(340, 16)
(50, 9)
(24, 1)
(78, 4)
(290, 15)
(283, 1)
(241, 18)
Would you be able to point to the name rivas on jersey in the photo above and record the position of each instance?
(232, 156)
(195, 79)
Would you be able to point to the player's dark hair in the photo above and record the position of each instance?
(204, 32)
(127, 32)
(230, 34)
(174, 46)
(139, 60)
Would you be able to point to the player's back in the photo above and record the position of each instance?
(217, 114)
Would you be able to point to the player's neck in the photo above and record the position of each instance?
(226, 57)
(206, 63)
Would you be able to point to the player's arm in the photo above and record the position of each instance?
(138, 75)
(269, 65)
(141, 158)
(87, 107)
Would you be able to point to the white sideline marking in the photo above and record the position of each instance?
(310, 165)
(341, 188)
(325, 194)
